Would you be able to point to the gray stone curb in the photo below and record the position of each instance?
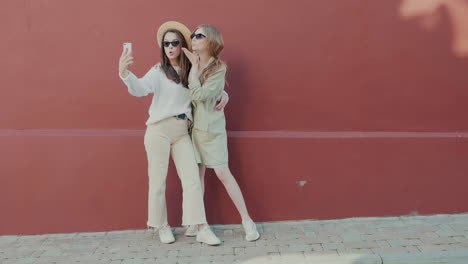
(444, 257)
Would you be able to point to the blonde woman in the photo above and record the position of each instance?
(206, 83)
(167, 132)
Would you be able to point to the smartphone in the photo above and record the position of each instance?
(128, 46)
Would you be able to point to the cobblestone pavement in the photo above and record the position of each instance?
(406, 239)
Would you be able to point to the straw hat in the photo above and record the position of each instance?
(177, 26)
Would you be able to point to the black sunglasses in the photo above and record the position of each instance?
(198, 36)
(174, 43)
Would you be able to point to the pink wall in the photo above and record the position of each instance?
(379, 100)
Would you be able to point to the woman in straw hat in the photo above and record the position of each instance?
(167, 132)
(206, 82)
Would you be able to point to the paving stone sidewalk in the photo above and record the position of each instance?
(406, 239)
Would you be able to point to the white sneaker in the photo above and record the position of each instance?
(208, 237)
(251, 233)
(191, 231)
(165, 235)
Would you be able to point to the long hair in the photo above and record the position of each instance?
(215, 46)
(184, 62)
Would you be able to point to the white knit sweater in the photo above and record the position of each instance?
(170, 98)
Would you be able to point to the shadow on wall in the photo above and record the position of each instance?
(358, 66)
(429, 15)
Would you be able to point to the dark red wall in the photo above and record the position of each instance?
(338, 109)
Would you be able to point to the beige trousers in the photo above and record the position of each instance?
(170, 136)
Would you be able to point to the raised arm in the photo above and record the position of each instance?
(142, 86)
(137, 86)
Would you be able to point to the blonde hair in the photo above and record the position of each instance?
(215, 46)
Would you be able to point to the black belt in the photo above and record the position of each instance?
(181, 116)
